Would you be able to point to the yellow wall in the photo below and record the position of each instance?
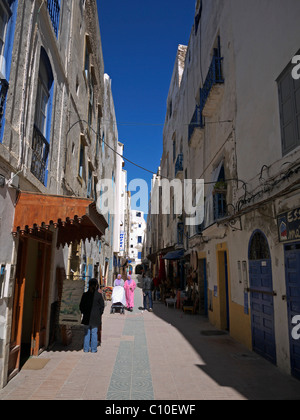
(240, 323)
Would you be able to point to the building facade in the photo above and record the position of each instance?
(57, 141)
(137, 236)
(233, 121)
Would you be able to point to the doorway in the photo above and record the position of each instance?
(262, 297)
(31, 302)
(224, 290)
(292, 275)
(203, 287)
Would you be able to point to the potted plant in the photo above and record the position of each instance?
(220, 187)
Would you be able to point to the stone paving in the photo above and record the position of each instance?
(162, 356)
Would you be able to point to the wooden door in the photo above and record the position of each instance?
(41, 298)
(18, 309)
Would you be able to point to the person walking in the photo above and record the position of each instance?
(92, 308)
(130, 286)
(147, 291)
(119, 281)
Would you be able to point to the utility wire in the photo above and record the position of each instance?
(139, 166)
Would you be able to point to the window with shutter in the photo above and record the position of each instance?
(289, 104)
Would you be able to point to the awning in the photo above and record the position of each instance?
(75, 218)
(176, 255)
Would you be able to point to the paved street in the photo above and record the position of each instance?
(164, 355)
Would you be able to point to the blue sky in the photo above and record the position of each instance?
(139, 41)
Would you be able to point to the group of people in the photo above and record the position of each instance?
(92, 305)
(126, 296)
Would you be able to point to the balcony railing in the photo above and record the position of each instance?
(220, 206)
(196, 122)
(54, 12)
(3, 95)
(179, 165)
(214, 77)
(40, 152)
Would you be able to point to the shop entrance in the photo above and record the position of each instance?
(31, 298)
(224, 290)
(262, 297)
(203, 287)
(292, 275)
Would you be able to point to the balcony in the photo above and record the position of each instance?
(219, 205)
(40, 152)
(54, 12)
(179, 167)
(196, 128)
(212, 90)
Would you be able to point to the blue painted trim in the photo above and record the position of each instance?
(8, 48)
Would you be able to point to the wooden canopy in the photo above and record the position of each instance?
(75, 218)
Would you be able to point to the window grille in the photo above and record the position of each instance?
(54, 12)
(40, 152)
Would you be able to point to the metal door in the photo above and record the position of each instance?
(262, 298)
(292, 275)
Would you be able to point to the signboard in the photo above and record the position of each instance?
(289, 226)
(122, 241)
(71, 296)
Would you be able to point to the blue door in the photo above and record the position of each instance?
(292, 275)
(262, 298)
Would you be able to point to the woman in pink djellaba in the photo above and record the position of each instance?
(129, 286)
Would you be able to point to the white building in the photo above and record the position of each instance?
(136, 237)
(57, 132)
(236, 85)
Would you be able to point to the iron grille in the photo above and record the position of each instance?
(40, 152)
(54, 12)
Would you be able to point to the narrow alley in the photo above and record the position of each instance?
(162, 356)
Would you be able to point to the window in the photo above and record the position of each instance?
(43, 103)
(259, 248)
(87, 59)
(42, 121)
(138, 214)
(8, 15)
(198, 17)
(95, 189)
(98, 138)
(289, 105)
(90, 182)
(219, 198)
(81, 160)
(54, 13)
(174, 150)
(140, 239)
(4, 17)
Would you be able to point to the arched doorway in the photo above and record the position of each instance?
(262, 297)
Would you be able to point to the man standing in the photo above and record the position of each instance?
(92, 307)
(147, 290)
